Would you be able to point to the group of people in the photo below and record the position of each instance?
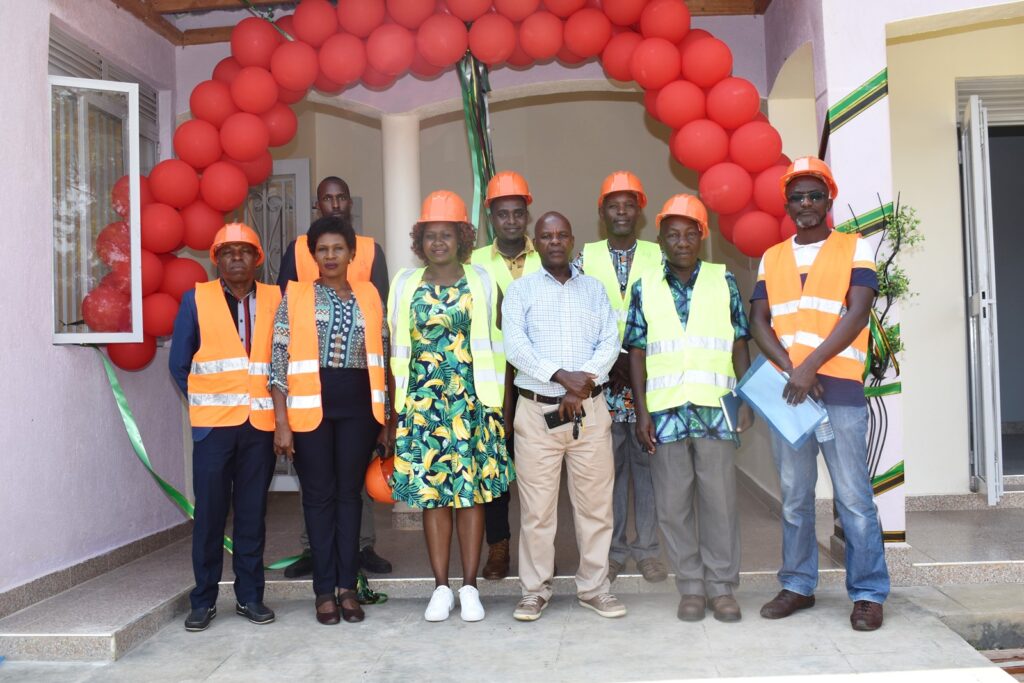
(505, 362)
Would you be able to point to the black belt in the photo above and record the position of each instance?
(554, 400)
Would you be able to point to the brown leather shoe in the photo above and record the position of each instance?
(327, 610)
(726, 608)
(785, 603)
(691, 607)
(353, 614)
(866, 616)
(496, 567)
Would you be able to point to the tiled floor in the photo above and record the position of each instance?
(966, 535)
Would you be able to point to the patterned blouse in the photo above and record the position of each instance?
(340, 331)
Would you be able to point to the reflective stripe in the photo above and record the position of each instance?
(816, 303)
(378, 396)
(375, 359)
(262, 404)
(259, 368)
(621, 314)
(299, 367)
(691, 377)
(203, 400)
(486, 375)
(786, 340)
(814, 341)
(211, 367)
(786, 307)
(498, 347)
(485, 278)
(401, 381)
(401, 351)
(671, 345)
(304, 401)
(480, 344)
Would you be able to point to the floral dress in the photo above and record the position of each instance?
(449, 446)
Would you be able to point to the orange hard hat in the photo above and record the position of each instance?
(622, 181)
(378, 479)
(443, 205)
(688, 206)
(236, 232)
(507, 184)
(812, 166)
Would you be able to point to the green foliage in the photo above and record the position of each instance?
(892, 334)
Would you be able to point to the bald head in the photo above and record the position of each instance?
(553, 240)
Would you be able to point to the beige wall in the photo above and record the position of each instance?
(922, 101)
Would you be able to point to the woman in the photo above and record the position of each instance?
(328, 386)
(448, 373)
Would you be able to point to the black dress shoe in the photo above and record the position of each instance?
(372, 562)
(199, 618)
(301, 567)
(256, 612)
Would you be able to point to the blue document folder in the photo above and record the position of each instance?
(762, 389)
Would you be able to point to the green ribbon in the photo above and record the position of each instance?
(474, 84)
(883, 390)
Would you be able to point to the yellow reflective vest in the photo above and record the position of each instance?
(691, 365)
(485, 338)
(492, 260)
(597, 263)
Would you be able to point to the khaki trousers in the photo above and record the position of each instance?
(591, 471)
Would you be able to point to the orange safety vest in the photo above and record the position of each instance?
(305, 410)
(225, 387)
(358, 271)
(804, 316)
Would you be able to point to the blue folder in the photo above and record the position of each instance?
(762, 389)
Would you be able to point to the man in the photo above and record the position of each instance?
(334, 199)
(561, 335)
(220, 359)
(510, 256)
(809, 315)
(618, 262)
(687, 338)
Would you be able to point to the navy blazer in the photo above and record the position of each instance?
(184, 344)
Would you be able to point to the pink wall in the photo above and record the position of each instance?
(70, 487)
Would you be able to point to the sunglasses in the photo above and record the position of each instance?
(798, 197)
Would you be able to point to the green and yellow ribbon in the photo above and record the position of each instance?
(475, 85)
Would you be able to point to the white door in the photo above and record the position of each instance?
(986, 422)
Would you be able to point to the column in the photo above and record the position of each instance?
(400, 135)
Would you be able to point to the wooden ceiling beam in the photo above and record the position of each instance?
(151, 18)
(179, 6)
(716, 8)
(205, 36)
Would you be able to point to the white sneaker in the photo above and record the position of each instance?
(469, 601)
(441, 604)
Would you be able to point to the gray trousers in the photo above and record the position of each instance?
(367, 528)
(632, 463)
(699, 476)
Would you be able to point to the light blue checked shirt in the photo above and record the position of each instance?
(549, 327)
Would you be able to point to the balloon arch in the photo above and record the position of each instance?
(244, 109)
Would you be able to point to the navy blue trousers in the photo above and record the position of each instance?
(231, 468)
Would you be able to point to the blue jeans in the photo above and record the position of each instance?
(867, 577)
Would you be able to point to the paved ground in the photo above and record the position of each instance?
(568, 643)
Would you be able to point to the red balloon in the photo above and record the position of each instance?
(755, 232)
(668, 19)
(624, 12)
(390, 49)
(120, 199)
(152, 272)
(174, 183)
(257, 170)
(120, 278)
(766, 191)
(492, 38)
(424, 70)
(315, 21)
(468, 10)
(287, 24)
(442, 40)
(706, 61)
(281, 124)
(679, 103)
(540, 35)
(224, 186)
(343, 59)
(727, 222)
(285, 96)
(181, 275)
(755, 146)
(113, 244)
(165, 259)
(650, 103)
(587, 32)
(211, 102)
(787, 228)
(326, 86)
(254, 90)
(519, 59)
(733, 102)
(618, 53)
(411, 13)
(226, 70)
(158, 313)
(197, 143)
(106, 309)
(376, 80)
(726, 187)
(569, 58)
(654, 63)
(516, 10)
(244, 136)
(564, 8)
(701, 144)
(360, 17)
(162, 228)
(692, 36)
(133, 355)
(201, 224)
(294, 65)
(253, 41)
